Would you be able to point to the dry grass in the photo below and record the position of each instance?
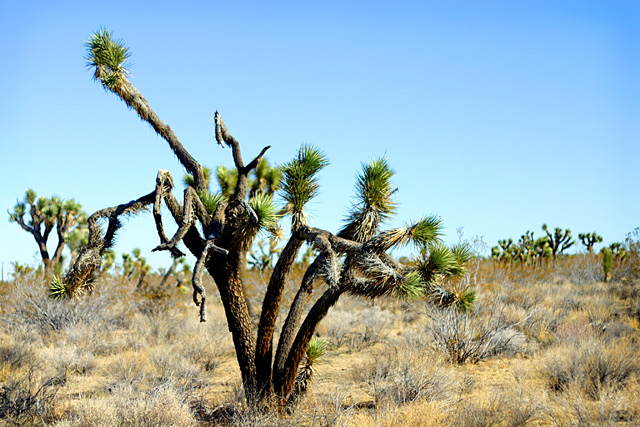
(545, 346)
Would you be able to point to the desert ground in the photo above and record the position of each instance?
(544, 345)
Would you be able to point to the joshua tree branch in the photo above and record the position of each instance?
(134, 99)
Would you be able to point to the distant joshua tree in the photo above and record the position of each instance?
(589, 240)
(40, 216)
(353, 261)
(559, 241)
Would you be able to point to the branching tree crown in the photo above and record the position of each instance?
(40, 216)
(559, 241)
(353, 261)
(589, 240)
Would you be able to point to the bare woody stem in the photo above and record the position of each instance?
(134, 99)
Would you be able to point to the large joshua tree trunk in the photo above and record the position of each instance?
(353, 261)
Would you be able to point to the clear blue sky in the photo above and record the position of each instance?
(498, 116)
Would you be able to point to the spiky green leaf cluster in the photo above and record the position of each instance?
(464, 300)
(265, 178)
(373, 201)
(412, 287)
(109, 57)
(315, 350)
(30, 196)
(266, 210)
(440, 261)
(421, 233)
(427, 231)
(373, 188)
(299, 184)
(210, 200)
(227, 180)
(57, 289)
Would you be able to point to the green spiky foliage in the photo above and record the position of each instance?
(266, 210)
(210, 200)
(496, 253)
(77, 238)
(127, 265)
(268, 215)
(42, 216)
(57, 289)
(299, 182)
(315, 351)
(110, 59)
(374, 203)
(607, 261)
(528, 250)
(542, 249)
(137, 265)
(436, 265)
(227, 180)
(589, 240)
(506, 250)
(265, 179)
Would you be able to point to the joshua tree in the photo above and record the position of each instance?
(541, 249)
(135, 266)
(526, 250)
(353, 261)
(45, 215)
(172, 271)
(559, 241)
(589, 239)
(108, 260)
(618, 250)
(505, 252)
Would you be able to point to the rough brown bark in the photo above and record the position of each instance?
(269, 314)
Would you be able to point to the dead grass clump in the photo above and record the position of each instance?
(398, 376)
(130, 368)
(31, 307)
(614, 408)
(514, 408)
(30, 398)
(591, 366)
(125, 406)
(206, 345)
(68, 360)
(14, 355)
(355, 328)
(171, 367)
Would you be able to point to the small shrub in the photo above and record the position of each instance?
(29, 399)
(591, 366)
(471, 337)
(401, 376)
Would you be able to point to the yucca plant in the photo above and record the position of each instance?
(355, 260)
(57, 289)
(315, 350)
